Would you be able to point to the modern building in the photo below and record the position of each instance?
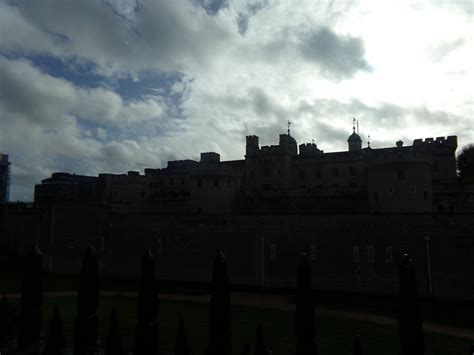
(282, 178)
(4, 178)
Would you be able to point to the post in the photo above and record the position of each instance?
(51, 239)
(263, 265)
(428, 261)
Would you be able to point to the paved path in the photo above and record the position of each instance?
(279, 302)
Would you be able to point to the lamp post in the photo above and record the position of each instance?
(428, 261)
(262, 239)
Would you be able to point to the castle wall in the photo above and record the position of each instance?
(356, 253)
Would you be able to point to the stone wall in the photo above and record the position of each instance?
(185, 246)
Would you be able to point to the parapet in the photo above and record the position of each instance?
(181, 164)
(440, 142)
(210, 157)
(309, 149)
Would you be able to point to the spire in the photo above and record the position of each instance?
(357, 126)
(289, 124)
(368, 141)
(353, 124)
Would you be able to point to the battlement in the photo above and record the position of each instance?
(309, 149)
(210, 157)
(181, 164)
(449, 141)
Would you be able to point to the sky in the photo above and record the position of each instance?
(96, 86)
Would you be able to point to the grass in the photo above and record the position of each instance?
(335, 336)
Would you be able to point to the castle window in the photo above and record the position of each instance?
(171, 181)
(376, 196)
(182, 181)
(267, 172)
(370, 254)
(401, 174)
(302, 174)
(199, 182)
(353, 171)
(158, 247)
(318, 173)
(102, 244)
(425, 195)
(273, 253)
(390, 190)
(216, 182)
(413, 189)
(279, 172)
(436, 166)
(252, 174)
(355, 254)
(335, 172)
(313, 253)
(388, 255)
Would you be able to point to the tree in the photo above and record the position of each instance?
(31, 300)
(113, 343)
(465, 162)
(219, 310)
(410, 324)
(181, 344)
(358, 350)
(86, 325)
(55, 344)
(304, 312)
(146, 335)
(260, 348)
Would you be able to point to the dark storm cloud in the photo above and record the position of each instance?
(339, 56)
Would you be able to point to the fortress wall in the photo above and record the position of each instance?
(186, 245)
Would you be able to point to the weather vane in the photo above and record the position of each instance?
(289, 124)
(368, 140)
(353, 124)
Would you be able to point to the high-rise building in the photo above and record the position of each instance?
(4, 178)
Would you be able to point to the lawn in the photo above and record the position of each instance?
(335, 336)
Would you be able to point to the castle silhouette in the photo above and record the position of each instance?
(282, 178)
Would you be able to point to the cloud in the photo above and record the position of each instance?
(340, 56)
(43, 119)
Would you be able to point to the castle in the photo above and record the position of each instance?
(354, 212)
(282, 179)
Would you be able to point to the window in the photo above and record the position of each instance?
(199, 182)
(376, 196)
(158, 247)
(356, 254)
(318, 173)
(267, 172)
(388, 255)
(313, 253)
(390, 190)
(182, 181)
(413, 189)
(401, 174)
(436, 166)
(353, 171)
(273, 252)
(171, 181)
(216, 182)
(425, 195)
(101, 244)
(370, 254)
(302, 174)
(335, 172)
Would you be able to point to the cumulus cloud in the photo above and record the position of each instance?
(338, 55)
(216, 70)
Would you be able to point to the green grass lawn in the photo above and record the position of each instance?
(335, 336)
